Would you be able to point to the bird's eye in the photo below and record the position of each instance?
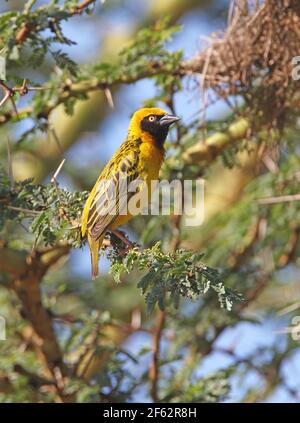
(151, 118)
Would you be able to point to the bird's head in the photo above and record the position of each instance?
(151, 125)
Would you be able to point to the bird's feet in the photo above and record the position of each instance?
(121, 236)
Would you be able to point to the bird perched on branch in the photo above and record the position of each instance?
(136, 162)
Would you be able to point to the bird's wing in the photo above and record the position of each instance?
(111, 196)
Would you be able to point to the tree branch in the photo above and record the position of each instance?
(27, 272)
(72, 90)
(154, 368)
(213, 146)
(25, 30)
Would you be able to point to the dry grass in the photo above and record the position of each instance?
(254, 56)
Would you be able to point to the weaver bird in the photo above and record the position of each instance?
(137, 160)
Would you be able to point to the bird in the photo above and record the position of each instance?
(137, 160)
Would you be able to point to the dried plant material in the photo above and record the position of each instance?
(254, 58)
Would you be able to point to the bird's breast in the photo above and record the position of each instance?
(151, 158)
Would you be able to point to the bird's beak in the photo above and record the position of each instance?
(167, 120)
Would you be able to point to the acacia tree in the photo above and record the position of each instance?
(66, 338)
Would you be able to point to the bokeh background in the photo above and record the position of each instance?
(88, 139)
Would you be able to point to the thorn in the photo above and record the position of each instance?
(109, 98)
(53, 179)
(8, 92)
(4, 99)
(56, 139)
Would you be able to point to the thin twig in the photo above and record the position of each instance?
(154, 68)
(290, 249)
(54, 180)
(10, 168)
(80, 8)
(10, 92)
(154, 368)
(7, 93)
(280, 199)
(161, 320)
(21, 209)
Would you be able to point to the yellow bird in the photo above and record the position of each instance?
(137, 160)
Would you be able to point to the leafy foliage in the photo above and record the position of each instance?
(54, 215)
(145, 57)
(53, 212)
(181, 274)
(210, 389)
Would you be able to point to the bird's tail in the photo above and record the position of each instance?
(95, 245)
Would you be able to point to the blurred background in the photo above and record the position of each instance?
(251, 346)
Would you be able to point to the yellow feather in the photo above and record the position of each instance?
(95, 247)
(145, 156)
